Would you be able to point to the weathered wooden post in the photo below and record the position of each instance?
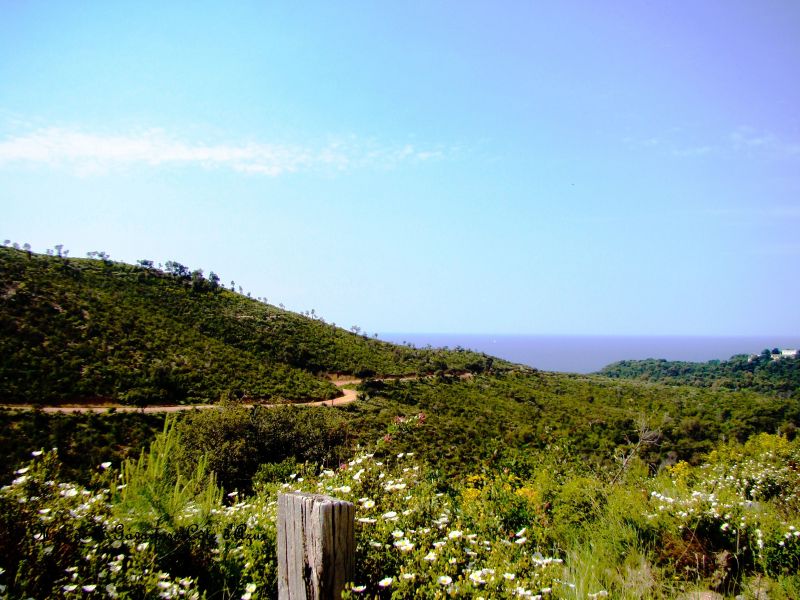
(316, 547)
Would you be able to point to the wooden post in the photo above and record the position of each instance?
(316, 547)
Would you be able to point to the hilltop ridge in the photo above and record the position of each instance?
(109, 331)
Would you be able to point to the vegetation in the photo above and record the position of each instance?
(84, 440)
(107, 331)
(474, 478)
(486, 419)
(767, 372)
(505, 416)
(154, 529)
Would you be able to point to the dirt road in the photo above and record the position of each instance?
(348, 396)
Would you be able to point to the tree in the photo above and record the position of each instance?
(177, 269)
(147, 264)
(198, 282)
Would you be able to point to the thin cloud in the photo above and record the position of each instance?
(751, 140)
(90, 153)
(742, 141)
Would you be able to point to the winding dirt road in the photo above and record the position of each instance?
(348, 396)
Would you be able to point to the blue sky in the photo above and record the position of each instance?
(514, 167)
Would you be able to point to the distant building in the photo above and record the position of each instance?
(787, 353)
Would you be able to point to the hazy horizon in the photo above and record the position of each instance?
(590, 353)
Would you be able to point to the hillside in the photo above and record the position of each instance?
(89, 330)
(763, 373)
(567, 485)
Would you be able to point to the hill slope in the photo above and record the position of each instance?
(763, 373)
(88, 330)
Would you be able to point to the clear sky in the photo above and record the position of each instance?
(485, 167)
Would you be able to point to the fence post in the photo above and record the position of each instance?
(316, 547)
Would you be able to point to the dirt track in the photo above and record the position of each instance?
(347, 397)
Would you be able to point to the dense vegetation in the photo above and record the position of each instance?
(108, 331)
(766, 372)
(475, 478)
(155, 528)
(486, 419)
(482, 417)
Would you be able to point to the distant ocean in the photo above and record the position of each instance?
(586, 354)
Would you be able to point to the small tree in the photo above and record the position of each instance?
(177, 269)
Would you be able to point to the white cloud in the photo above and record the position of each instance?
(91, 153)
(751, 140)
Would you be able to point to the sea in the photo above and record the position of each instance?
(590, 353)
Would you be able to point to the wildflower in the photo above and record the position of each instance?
(409, 576)
(22, 471)
(368, 504)
(521, 540)
(89, 588)
(404, 545)
(509, 576)
(477, 577)
(430, 557)
(105, 465)
(70, 588)
(454, 535)
(358, 588)
(390, 516)
(398, 533)
(37, 453)
(250, 588)
(521, 532)
(445, 580)
(386, 582)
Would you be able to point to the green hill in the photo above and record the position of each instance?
(89, 330)
(582, 469)
(767, 372)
